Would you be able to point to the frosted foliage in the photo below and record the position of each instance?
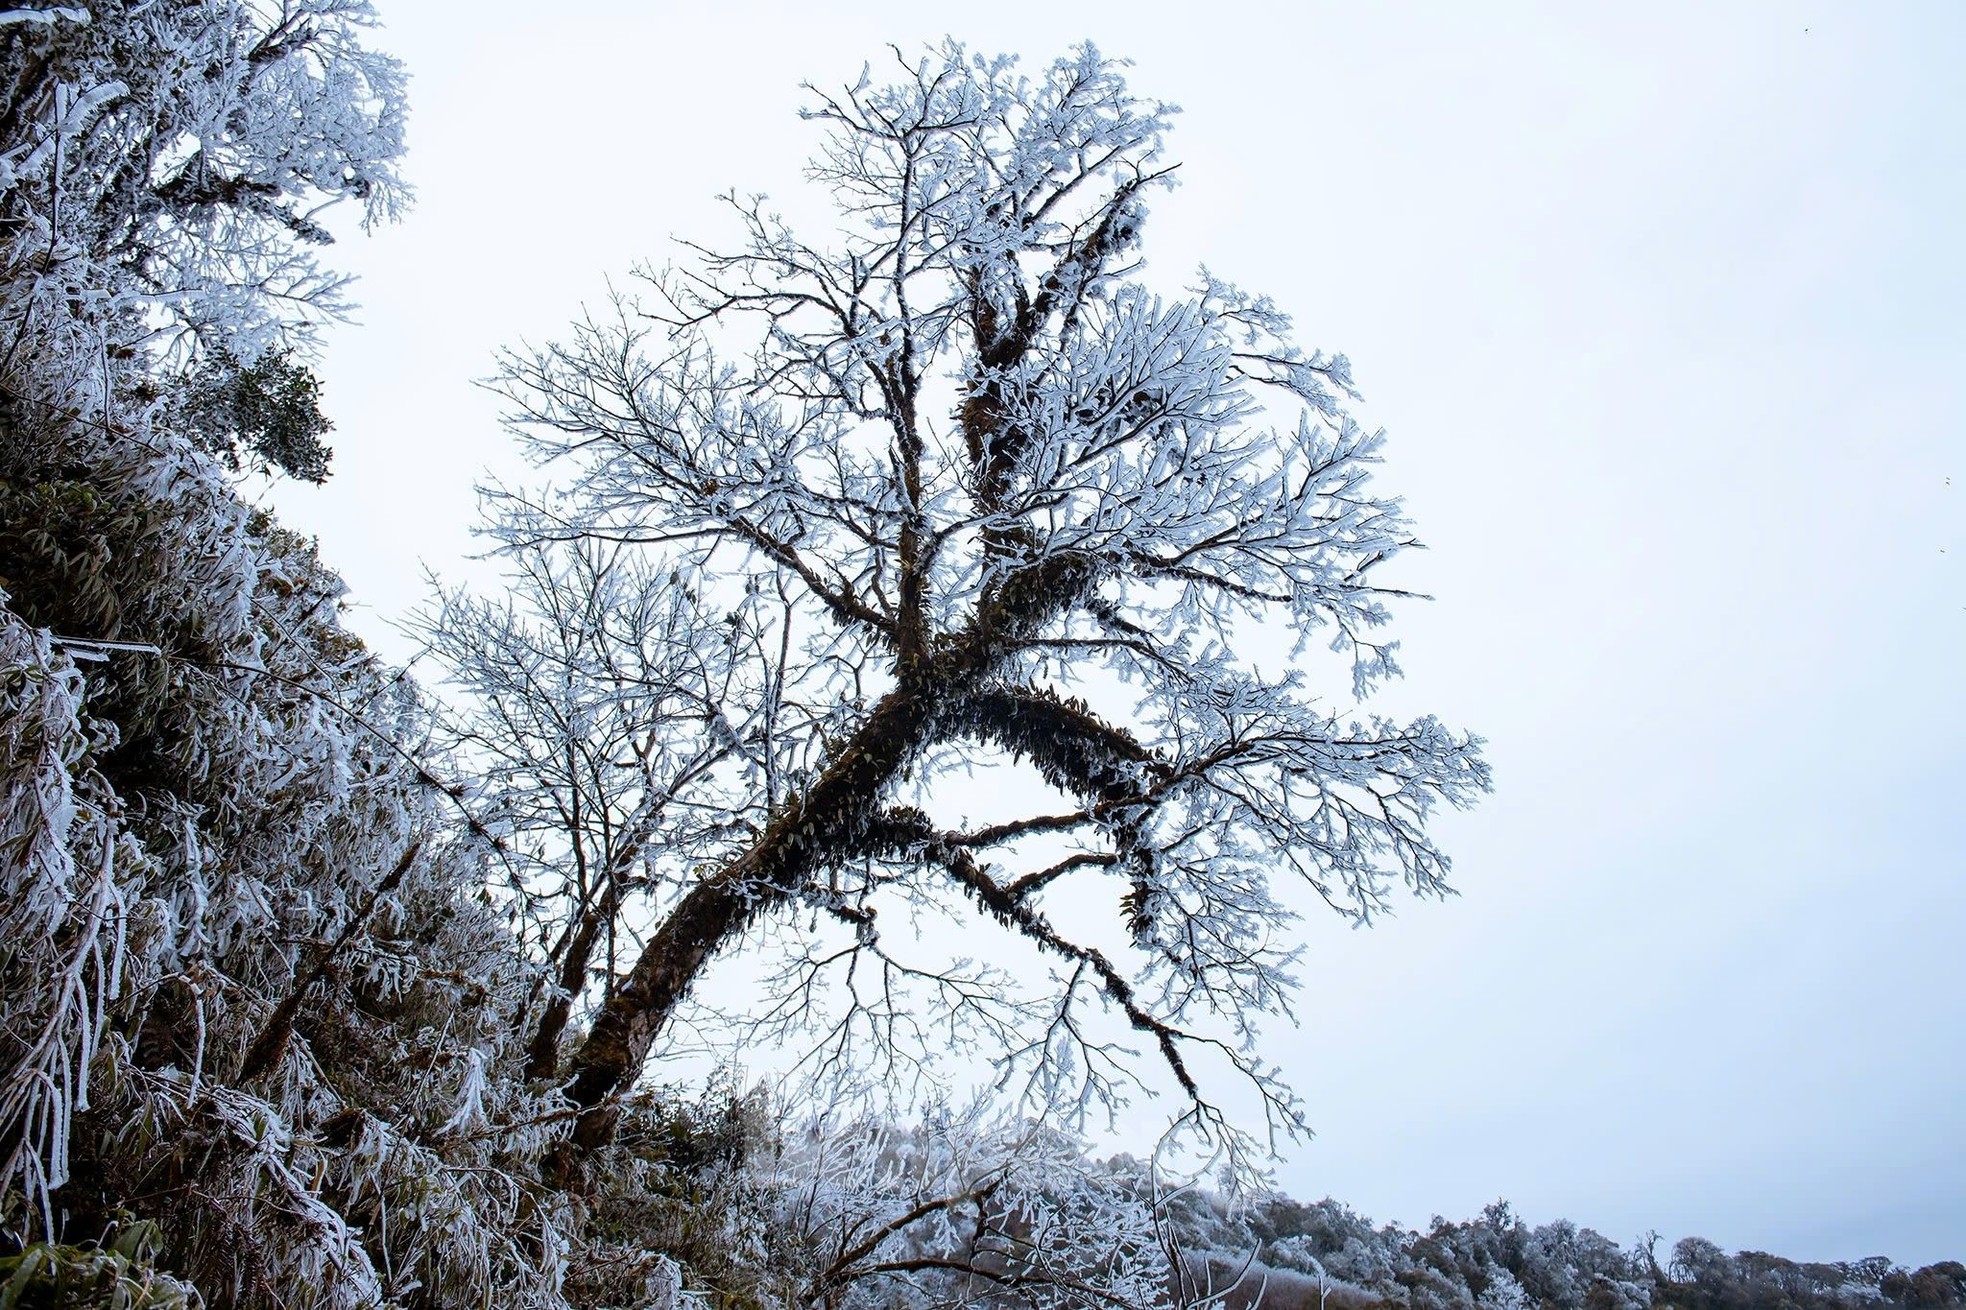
(963, 1209)
(164, 170)
(958, 484)
(1326, 1256)
(263, 993)
(247, 984)
(1503, 1293)
(1562, 1262)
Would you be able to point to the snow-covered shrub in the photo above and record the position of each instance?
(964, 1207)
(62, 903)
(284, 1014)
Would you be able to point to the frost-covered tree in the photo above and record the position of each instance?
(964, 1208)
(164, 171)
(263, 1033)
(953, 487)
(588, 685)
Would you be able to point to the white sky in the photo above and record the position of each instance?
(1662, 304)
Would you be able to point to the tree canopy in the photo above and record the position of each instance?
(958, 484)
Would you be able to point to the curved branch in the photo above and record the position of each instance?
(841, 601)
(908, 832)
(1073, 748)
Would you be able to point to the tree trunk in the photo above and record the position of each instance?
(809, 832)
(828, 823)
(543, 1053)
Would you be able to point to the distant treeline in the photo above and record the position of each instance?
(1284, 1254)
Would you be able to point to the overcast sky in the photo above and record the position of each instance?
(1665, 308)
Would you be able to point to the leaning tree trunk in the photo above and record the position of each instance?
(831, 820)
(543, 1052)
(808, 832)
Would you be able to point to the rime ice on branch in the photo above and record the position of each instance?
(165, 170)
(961, 484)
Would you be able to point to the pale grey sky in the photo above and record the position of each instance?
(1663, 306)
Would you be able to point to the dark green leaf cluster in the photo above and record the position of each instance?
(119, 1273)
(267, 412)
